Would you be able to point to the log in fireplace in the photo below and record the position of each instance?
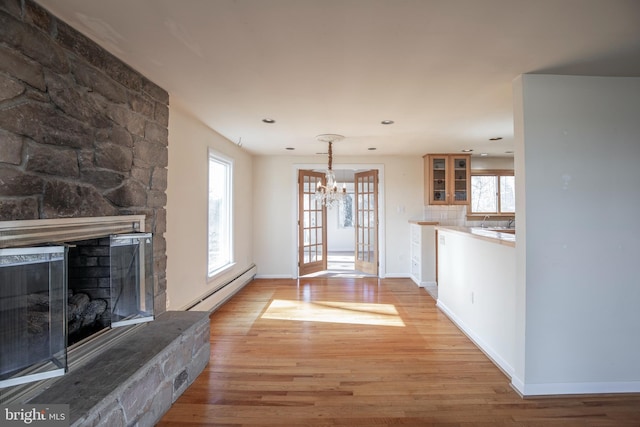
(64, 281)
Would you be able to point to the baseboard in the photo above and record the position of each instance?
(557, 389)
(494, 356)
(416, 281)
(396, 276)
(274, 276)
(210, 302)
(424, 283)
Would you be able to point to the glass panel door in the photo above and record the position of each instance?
(312, 225)
(460, 180)
(131, 279)
(439, 174)
(366, 192)
(33, 314)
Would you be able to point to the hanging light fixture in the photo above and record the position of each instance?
(328, 194)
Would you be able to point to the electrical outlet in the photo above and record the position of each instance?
(472, 298)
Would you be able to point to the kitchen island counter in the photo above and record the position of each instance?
(501, 236)
(477, 288)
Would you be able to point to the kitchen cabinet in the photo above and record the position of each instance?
(423, 252)
(447, 179)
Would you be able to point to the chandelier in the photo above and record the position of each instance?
(328, 194)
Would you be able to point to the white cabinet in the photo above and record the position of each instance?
(423, 252)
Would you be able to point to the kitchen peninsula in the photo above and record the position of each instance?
(477, 287)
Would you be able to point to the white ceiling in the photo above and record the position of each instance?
(441, 69)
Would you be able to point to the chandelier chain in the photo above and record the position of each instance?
(328, 194)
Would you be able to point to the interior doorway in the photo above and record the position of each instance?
(339, 241)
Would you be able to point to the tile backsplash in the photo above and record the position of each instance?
(456, 215)
(446, 215)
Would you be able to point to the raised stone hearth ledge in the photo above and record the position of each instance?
(137, 379)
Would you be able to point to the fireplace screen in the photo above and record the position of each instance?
(131, 279)
(33, 319)
(52, 297)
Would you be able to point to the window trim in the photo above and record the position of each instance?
(493, 215)
(214, 155)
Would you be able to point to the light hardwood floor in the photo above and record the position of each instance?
(361, 352)
(339, 265)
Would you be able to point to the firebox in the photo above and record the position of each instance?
(59, 295)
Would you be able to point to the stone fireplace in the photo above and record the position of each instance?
(105, 373)
(84, 136)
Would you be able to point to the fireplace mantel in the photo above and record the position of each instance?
(37, 231)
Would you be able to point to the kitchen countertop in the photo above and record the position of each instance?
(502, 238)
(423, 222)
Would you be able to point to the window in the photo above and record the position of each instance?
(220, 216)
(493, 192)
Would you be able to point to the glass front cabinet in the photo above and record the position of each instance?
(447, 178)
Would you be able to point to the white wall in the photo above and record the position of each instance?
(505, 163)
(404, 192)
(578, 186)
(187, 195)
(476, 288)
(275, 238)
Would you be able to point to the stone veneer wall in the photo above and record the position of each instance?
(81, 133)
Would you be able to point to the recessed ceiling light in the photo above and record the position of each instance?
(269, 121)
(467, 150)
(290, 148)
(483, 154)
(495, 138)
(508, 152)
(372, 148)
(387, 122)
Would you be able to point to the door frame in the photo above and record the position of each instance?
(337, 166)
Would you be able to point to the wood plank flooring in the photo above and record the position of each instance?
(361, 352)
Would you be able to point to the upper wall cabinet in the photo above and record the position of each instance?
(447, 178)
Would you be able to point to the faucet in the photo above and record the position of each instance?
(510, 223)
(486, 217)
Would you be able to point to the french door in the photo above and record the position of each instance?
(312, 225)
(366, 195)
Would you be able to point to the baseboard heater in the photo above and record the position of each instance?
(214, 299)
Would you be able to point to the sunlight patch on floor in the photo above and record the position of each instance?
(334, 312)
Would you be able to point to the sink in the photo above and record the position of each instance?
(503, 230)
(500, 233)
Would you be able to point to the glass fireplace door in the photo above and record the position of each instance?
(33, 314)
(131, 278)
